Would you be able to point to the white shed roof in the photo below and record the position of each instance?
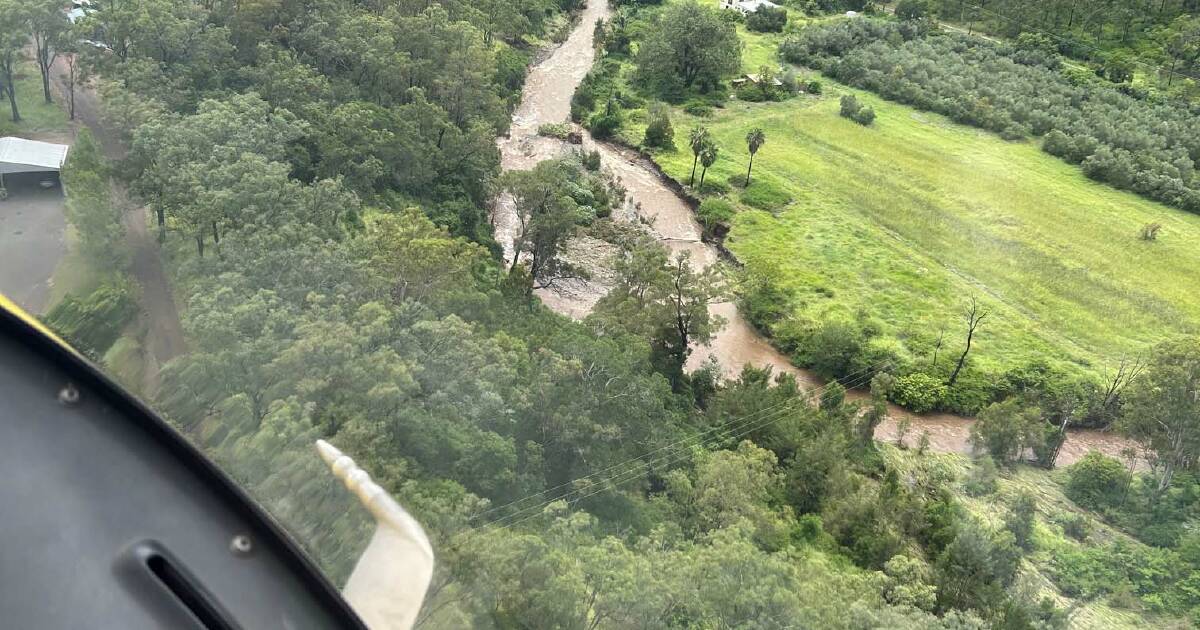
(32, 153)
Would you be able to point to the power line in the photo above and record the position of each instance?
(677, 454)
(673, 459)
(683, 442)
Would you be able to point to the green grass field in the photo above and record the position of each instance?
(910, 218)
(37, 116)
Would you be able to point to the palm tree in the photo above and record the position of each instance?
(755, 139)
(708, 156)
(697, 139)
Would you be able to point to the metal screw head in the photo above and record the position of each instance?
(68, 395)
(241, 545)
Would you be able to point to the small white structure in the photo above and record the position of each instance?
(18, 155)
(746, 7)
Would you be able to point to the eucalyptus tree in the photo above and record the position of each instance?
(50, 29)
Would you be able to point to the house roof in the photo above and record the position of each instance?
(32, 153)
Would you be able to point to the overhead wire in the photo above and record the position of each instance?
(675, 452)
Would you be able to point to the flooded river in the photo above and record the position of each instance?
(547, 99)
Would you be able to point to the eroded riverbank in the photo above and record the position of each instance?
(546, 99)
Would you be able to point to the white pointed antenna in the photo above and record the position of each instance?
(388, 584)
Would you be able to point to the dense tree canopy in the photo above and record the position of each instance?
(691, 46)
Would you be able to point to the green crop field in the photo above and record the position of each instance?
(908, 219)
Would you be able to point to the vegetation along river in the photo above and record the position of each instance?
(546, 99)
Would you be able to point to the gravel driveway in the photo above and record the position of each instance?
(32, 238)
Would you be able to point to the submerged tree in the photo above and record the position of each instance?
(665, 300)
(1161, 408)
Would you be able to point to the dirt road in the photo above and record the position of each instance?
(164, 332)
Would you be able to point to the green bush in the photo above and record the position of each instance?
(864, 116)
(699, 108)
(973, 391)
(919, 392)
(714, 212)
(1005, 430)
(591, 160)
(1097, 482)
(767, 20)
(1076, 526)
(92, 323)
(659, 132)
(856, 111)
(839, 350)
(555, 130)
(849, 106)
(814, 87)
(983, 478)
(764, 195)
(752, 93)
(603, 126)
(1020, 518)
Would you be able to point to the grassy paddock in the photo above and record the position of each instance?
(909, 218)
(37, 116)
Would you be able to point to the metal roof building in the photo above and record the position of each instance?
(18, 155)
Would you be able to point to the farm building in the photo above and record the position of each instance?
(746, 7)
(18, 155)
(754, 79)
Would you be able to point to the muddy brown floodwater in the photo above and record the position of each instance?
(546, 99)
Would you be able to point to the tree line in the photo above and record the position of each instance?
(1146, 146)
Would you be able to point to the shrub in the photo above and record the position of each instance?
(1097, 482)
(699, 108)
(603, 126)
(849, 106)
(767, 20)
(94, 322)
(1076, 526)
(659, 132)
(973, 391)
(591, 160)
(555, 130)
(864, 116)
(982, 480)
(1005, 430)
(764, 195)
(813, 87)
(919, 392)
(1057, 143)
(840, 350)
(1019, 521)
(854, 110)
(715, 212)
(752, 93)
(1150, 231)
